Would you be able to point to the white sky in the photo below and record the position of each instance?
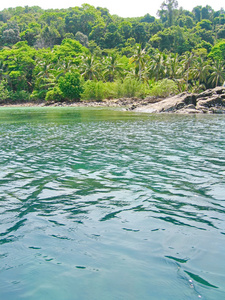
(123, 8)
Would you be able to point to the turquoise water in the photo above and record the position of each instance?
(103, 204)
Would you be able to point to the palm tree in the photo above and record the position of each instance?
(200, 70)
(46, 77)
(112, 67)
(89, 67)
(139, 58)
(173, 66)
(64, 67)
(186, 61)
(218, 73)
(158, 65)
(46, 68)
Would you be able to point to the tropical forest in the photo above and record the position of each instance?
(85, 53)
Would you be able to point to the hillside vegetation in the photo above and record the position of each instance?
(87, 53)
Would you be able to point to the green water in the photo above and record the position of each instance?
(104, 204)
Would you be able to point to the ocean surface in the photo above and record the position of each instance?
(104, 204)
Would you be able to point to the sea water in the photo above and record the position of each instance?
(107, 205)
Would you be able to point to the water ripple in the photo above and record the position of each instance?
(137, 190)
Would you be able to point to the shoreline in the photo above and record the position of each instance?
(127, 103)
(211, 101)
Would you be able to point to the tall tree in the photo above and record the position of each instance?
(167, 11)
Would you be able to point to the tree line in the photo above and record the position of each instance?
(87, 53)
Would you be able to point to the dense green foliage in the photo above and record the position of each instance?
(84, 52)
(70, 85)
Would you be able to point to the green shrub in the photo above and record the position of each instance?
(97, 90)
(93, 90)
(118, 89)
(164, 88)
(89, 90)
(4, 93)
(133, 88)
(38, 95)
(70, 86)
(19, 96)
(54, 95)
(111, 90)
(130, 87)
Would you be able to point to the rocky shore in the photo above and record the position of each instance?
(211, 101)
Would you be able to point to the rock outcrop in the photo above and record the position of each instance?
(209, 101)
